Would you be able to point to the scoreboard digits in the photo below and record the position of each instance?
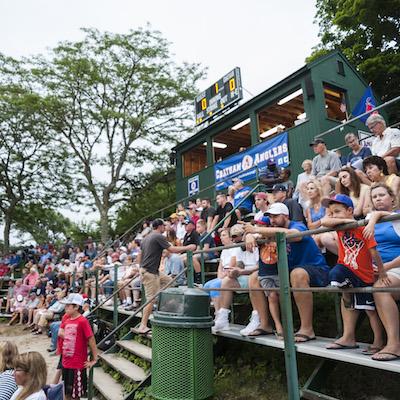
(219, 96)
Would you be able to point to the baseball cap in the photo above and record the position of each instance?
(264, 220)
(271, 161)
(173, 215)
(73, 298)
(182, 213)
(317, 141)
(188, 221)
(338, 199)
(261, 195)
(20, 297)
(277, 209)
(279, 188)
(237, 230)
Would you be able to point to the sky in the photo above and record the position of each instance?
(268, 40)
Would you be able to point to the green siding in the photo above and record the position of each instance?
(321, 71)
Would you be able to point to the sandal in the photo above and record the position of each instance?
(371, 350)
(260, 332)
(391, 356)
(303, 336)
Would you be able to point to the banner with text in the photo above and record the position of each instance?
(242, 165)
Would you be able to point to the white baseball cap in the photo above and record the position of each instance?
(277, 209)
(73, 298)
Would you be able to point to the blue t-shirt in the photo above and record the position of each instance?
(210, 241)
(353, 158)
(387, 236)
(239, 195)
(305, 252)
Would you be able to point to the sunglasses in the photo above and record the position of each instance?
(236, 236)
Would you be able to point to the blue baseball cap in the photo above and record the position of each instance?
(339, 199)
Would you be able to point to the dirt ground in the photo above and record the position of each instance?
(27, 342)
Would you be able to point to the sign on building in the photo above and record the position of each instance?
(244, 164)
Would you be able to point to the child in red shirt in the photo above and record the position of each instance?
(354, 269)
(76, 335)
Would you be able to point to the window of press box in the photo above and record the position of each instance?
(194, 160)
(233, 140)
(335, 103)
(288, 111)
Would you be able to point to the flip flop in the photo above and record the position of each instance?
(136, 330)
(338, 346)
(392, 357)
(260, 332)
(371, 350)
(279, 335)
(303, 336)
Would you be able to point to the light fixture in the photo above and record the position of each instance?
(241, 124)
(271, 131)
(290, 97)
(302, 116)
(217, 145)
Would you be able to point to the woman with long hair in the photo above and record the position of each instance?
(31, 376)
(350, 184)
(387, 236)
(377, 171)
(8, 387)
(315, 210)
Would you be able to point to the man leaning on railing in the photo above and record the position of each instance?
(152, 280)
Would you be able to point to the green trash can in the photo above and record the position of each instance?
(182, 361)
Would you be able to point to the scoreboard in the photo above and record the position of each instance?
(219, 96)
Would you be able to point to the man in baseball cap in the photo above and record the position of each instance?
(307, 266)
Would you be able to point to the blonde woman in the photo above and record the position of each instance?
(9, 352)
(30, 376)
(315, 210)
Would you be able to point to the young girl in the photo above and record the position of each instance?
(350, 184)
(7, 379)
(31, 376)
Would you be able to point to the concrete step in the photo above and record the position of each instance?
(106, 385)
(124, 366)
(136, 348)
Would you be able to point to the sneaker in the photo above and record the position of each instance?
(252, 325)
(221, 322)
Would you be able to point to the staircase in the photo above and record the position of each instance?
(124, 368)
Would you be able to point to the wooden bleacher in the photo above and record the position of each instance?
(316, 348)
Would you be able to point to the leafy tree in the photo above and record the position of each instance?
(30, 166)
(150, 193)
(118, 101)
(42, 223)
(368, 33)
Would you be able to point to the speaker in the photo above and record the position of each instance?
(309, 86)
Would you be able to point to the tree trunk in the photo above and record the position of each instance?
(6, 232)
(104, 227)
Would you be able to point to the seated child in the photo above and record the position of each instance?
(354, 269)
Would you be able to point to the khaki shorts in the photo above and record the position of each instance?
(152, 282)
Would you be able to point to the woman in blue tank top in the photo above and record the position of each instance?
(315, 211)
(387, 236)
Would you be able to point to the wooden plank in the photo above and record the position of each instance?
(106, 385)
(317, 348)
(124, 366)
(136, 348)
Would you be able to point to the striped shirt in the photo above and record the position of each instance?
(7, 384)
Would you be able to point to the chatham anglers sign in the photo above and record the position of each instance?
(257, 156)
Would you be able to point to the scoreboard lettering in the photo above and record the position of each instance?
(219, 96)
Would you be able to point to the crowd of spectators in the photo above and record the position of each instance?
(326, 194)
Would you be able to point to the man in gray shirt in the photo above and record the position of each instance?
(152, 247)
(325, 165)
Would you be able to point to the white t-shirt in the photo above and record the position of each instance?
(40, 395)
(249, 259)
(390, 139)
(227, 254)
(180, 231)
